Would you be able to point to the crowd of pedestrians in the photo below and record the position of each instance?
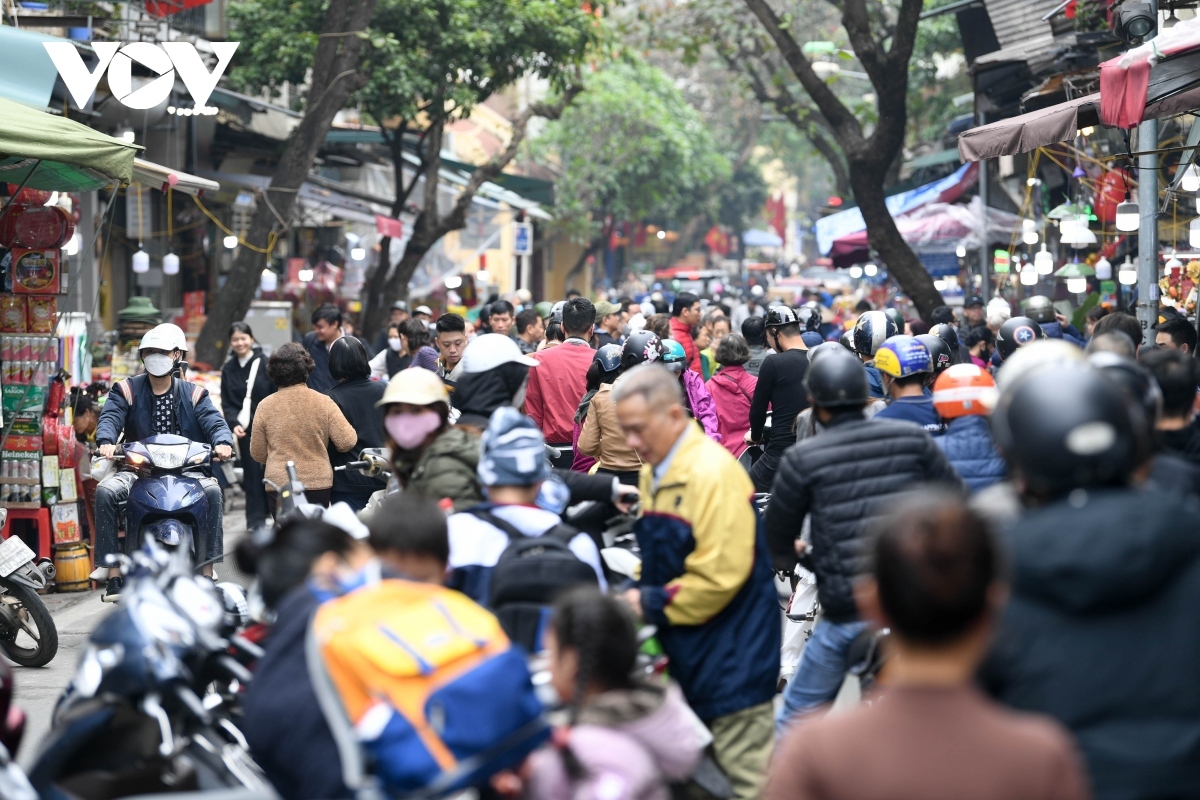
(1011, 500)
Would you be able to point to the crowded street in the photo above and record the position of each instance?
(587, 400)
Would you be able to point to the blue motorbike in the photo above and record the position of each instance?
(166, 503)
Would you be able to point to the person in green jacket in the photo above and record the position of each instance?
(429, 456)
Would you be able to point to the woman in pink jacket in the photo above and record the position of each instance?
(627, 738)
(732, 389)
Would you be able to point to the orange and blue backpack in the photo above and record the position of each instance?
(421, 688)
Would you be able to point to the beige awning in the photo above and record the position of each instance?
(160, 177)
(1026, 132)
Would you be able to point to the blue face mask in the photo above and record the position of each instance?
(554, 495)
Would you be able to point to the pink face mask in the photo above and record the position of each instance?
(409, 431)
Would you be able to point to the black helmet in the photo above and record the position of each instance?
(609, 357)
(897, 318)
(1017, 332)
(824, 349)
(938, 351)
(836, 380)
(780, 315)
(872, 329)
(1039, 309)
(846, 340)
(1139, 385)
(809, 319)
(1068, 428)
(947, 333)
(640, 347)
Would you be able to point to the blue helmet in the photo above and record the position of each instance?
(609, 357)
(812, 339)
(674, 356)
(902, 356)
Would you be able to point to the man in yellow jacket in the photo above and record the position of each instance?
(706, 575)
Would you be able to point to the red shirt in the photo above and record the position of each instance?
(555, 388)
(683, 334)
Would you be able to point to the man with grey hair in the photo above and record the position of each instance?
(1112, 342)
(706, 574)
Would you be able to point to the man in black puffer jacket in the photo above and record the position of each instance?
(843, 478)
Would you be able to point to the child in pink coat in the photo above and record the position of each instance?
(732, 389)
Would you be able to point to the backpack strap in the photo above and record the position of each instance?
(197, 395)
(561, 532)
(126, 390)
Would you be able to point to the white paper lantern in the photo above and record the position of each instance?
(269, 281)
(231, 241)
(1029, 234)
(1043, 262)
(1127, 275)
(1103, 269)
(170, 264)
(141, 262)
(1029, 275)
(1129, 216)
(1076, 285)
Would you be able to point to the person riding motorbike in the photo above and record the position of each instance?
(1040, 309)
(964, 395)
(905, 365)
(780, 388)
(157, 402)
(697, 401)
(1016, 332)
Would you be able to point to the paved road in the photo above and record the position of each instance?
(76, 615)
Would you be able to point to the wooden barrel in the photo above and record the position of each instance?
(73, 563)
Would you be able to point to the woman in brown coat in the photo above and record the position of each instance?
(297, 424)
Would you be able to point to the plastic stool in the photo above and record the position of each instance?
(41, 516)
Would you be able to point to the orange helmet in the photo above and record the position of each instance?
(964, 390)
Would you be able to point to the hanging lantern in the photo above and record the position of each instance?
(1029, 275)
(1194, 232)
(1190, 182)
(1110, 191)
(1076, 285)
(170, 264)
(230, 241)
(1129, 215)
(1127, 275)
(269, 281)
(1076, 275)
(1029, 231)
(1043, 262)
(141, 261)
(1103, 269)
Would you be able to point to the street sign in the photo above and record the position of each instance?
(522, 238)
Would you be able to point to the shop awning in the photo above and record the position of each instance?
(1057, 123)
(73, 157)
(163, 178)
(758, 238)
(946, 190)
(933, 228)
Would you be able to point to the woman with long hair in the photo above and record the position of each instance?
(244, 384)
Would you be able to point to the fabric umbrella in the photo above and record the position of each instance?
(62, 155)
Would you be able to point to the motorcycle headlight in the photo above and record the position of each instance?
(202, 605)
(164, 625)
(96, 661)
(168, 456)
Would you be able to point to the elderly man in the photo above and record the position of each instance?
(706, 574)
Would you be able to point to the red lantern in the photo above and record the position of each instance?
(36, 227)
(1110, 191)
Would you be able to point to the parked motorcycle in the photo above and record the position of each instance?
(147, 710)
(27, 633)
(165, 503)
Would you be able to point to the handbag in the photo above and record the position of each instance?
(243, 417)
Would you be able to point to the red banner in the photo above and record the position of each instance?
(389, 227)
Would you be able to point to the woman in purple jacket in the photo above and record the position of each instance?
(699, 401)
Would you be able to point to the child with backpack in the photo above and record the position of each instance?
(507, 554)
(628, 739)
(408, 534)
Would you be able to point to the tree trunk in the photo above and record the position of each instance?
(687, 236)
(885, 238)
(334, 79)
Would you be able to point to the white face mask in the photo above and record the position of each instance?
(159, 365)
(395, 344)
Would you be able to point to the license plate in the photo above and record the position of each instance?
(14, 554)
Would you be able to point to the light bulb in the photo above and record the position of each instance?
(1103, 269)
(940, 285)
(961, 251)
(1030, 234)
(170, 264)
(1043, 262)
(72, 246)
(1129, 215)
(453, 281)
(856, 272)
(1066, 229)
(305, 275)
(141, 261)
(482, 276)
(230, 241)
(268, 281)
(870, 270)
(1194, 232)
(358, 253)
(1029, 276)
(1190, 182)
(1127, 275)
(1076, 285)
(127, 135)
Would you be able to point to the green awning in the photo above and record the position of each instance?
(74, 158)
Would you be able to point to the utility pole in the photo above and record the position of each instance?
(1147, 305)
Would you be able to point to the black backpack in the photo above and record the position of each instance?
(530, 574)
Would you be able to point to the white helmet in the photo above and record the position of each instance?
(166, 337)
(490, 350)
